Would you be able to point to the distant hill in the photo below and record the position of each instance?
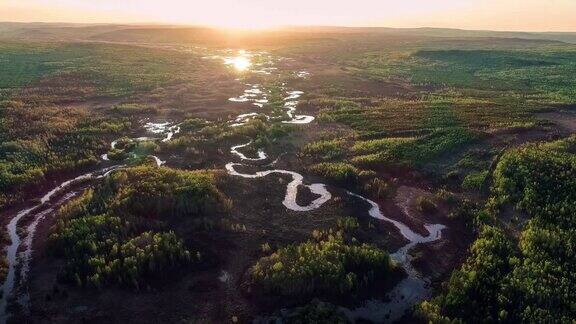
(567, 37)
(205, 35)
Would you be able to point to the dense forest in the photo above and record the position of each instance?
(331, 264)
(120, 232)
(526, 273)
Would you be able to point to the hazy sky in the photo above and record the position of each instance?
(535, 15)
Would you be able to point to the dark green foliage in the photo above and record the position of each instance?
(328, 265)
(533, 281)
(315, 312)
(477, 292)
(111, 69)
(542, 73)
(541, 180)
(116, 235)
(475, 180)
(151, 192)
(41, 133)
(45, 142)
(439, 142)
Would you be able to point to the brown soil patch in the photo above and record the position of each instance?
(564, 120)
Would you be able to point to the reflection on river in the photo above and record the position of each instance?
(240, 62)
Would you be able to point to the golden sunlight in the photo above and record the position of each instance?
(258, 14)
(240, 63)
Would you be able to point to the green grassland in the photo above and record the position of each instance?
(111, 69)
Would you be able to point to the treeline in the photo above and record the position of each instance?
(119, 233)
(531, 280)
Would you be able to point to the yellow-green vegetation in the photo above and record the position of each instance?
(477, 292)
(536, 73)
(475, 180)
(326, 150)
(379, 145)
(424, 149)
(530, 280)
(129, 109)
(338, 172)
(382, 152)
(120, 233)
(330, 264)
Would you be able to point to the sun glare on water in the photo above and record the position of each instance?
(240, 63)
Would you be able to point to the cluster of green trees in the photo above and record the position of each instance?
(475, 180)
(477, 292)
(531, 280)
(119, 234)
(131, 109)
(339, 172)
(153, 193)
(326, 150)
(36, 142)
(200, 136)
(330, 264)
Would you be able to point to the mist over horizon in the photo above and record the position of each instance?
(509, 15)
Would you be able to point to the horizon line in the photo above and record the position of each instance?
(167, 24)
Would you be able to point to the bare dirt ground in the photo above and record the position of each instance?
(565, 120)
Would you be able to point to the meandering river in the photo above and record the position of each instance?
(19, 252)
(409, 291)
